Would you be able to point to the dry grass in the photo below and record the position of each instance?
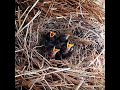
(84, 20)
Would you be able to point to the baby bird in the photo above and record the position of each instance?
(52, 52)
(57, 47)
(64, 37)
(50, 37)
(66, 50)
(61, 40)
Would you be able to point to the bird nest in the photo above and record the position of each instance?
(84, 69)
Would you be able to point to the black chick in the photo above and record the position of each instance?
(66, 50)
(51, 51)
(64, 37)
(50, 37)
(61, 40)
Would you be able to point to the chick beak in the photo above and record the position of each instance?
(52, 34)
(69, 45)
(55, 50)
(67, 36)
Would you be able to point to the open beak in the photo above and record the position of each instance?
(69, 45)
(55, 50)
(52, 34)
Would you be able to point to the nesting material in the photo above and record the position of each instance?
(84, 69)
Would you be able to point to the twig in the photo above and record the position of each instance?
(19, 22)
(34, 83)
(16, 25)
(24, 12)
(96, 58)
(48, 84)
(81, 9)
(37, 71)
(28, 23)
(77, 88)
(26, 17)
(19, 50)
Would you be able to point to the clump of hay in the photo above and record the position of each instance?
(84, 20)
